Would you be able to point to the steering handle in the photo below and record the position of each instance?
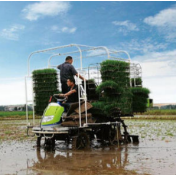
(61, 99)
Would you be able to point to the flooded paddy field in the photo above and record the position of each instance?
(155, 154)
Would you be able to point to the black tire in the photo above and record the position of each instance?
(81, 141)
(106, 135)
(112, 135)
(50, 142)
(38, 141)
(53, 142)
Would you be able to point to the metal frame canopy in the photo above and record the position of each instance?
(83, 53)
(136, 72)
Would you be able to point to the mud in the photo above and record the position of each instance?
(155, 154)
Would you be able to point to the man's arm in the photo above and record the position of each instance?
(80, 77)
(74, 72)
(68, 93)
(59, 66)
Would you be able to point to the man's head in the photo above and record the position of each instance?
(69, 59)
(70, 82)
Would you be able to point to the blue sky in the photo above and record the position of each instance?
(145, 29)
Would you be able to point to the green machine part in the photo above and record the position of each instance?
(52, 114)
(149, 103)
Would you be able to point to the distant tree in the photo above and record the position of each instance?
(24, 108)
(1, 108)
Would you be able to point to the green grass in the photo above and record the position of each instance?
(169, 134)
(8, 132)
(16, 115)
(13, 113)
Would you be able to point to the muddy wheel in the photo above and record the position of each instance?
(50, 142)
(53, 142)
(38, 141)
(112, 135)
(67, 140)
(81, 141)
(107, 135)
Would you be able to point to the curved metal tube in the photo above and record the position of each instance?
(79, 52)
(54, 56)
(42, 51)
(122, 51)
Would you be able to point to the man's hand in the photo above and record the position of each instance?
(81, 77)
(61, 95)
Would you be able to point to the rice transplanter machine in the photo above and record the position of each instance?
(79, 125)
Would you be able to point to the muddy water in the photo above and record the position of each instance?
(155, 154)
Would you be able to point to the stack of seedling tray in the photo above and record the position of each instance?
(45, 84)
(114, 89)
(140, 99)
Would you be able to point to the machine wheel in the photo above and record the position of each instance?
(112, 134)
(38, 141)
(107, 135)
(50, 142)
(81, 141)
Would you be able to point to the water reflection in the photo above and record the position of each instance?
(109, 160)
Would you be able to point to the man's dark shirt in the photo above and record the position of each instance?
(66, 71)
(74, 96)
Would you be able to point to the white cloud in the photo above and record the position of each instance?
(141, 46)
(50, 43)
(96, 52)
(159, 75)
(37, 10)
(165, 21)
(165, 17)
(126, 25)
(63, 29)
(13, 91)
(156, 69)
(163, 89)
(68, 30)
(55, 28)
(166, 56)
(12, 33)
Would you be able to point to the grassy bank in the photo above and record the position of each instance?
(151, 117)
(159, 112)
(165, 114)
(5, 115)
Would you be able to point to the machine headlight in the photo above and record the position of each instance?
(47, 118)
